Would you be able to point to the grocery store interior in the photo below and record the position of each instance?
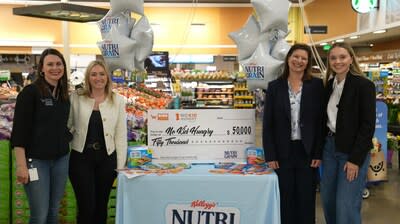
(200, 54)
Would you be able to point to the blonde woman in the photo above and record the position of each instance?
(99, 145)
(350, 126)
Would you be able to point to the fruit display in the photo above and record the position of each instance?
(140, 99)
(145, 98)
(7, 92)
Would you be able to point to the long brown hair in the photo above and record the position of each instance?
(62, 85)
(354, 67)
(299, 46)
(87, 90)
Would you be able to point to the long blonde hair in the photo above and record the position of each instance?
(354, 67)
(87, 89)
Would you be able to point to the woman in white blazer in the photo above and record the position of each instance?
(99, 146)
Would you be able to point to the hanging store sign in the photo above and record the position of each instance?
(316, 29)
(201, 136)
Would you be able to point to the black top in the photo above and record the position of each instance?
(95, 129)
(40, 124)
(355, 121)
(277, 119)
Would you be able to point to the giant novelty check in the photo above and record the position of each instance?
(201, 136)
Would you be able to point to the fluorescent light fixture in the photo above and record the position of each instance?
(339, 40)
(62, 11)
(354, 37)
(197, 24)
(323, 44)
(371, 45)
(379, 31)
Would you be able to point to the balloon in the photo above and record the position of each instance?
(280, 49)
(77, 78)
(122, 20)
(247, 38)
(118, 51)
(143, 34)
(131, 5)
(261, 67)
(272, 14)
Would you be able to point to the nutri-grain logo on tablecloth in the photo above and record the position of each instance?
(201, 136)
(201, 212)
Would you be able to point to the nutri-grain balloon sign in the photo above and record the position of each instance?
(125, 42)
(261, 42)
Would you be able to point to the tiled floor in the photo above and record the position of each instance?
(383, 204)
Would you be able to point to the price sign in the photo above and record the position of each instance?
(201, 136)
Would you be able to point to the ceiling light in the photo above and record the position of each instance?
(197, 24)
(354, 37)
(379, 31)
(62, 11)
(323, 44)
(339, 40)
(371, 45)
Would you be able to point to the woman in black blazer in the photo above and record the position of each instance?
(350, 126)
(292, 134)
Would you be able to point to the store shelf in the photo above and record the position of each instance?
(244, 97)
(244, 105)
(219, 98)
(214, 92)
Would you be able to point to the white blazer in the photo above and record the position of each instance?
(113, 115)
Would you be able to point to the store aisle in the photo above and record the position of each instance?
(383, 204)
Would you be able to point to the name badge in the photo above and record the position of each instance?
(47, 101)
(33, 174)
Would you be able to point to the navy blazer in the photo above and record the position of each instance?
(277, 119)
(355, 122)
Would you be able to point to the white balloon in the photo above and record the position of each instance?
(247, 38)
(280, 49)
(144, 36)
(122, 21)
(118, 51)
(261, 67)
(131, 5)
(272, 14)
(77, 78)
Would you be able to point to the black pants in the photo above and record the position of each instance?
(297, 186)
(92, 174)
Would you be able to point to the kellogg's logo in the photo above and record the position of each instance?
(201, 212)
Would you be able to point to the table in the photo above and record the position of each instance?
(196, 196)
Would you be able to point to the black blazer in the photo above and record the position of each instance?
(355, 122)
(277, 119)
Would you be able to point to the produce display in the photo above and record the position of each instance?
(6, 119)
(200, 75)
(140, 99)
(7, 92)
